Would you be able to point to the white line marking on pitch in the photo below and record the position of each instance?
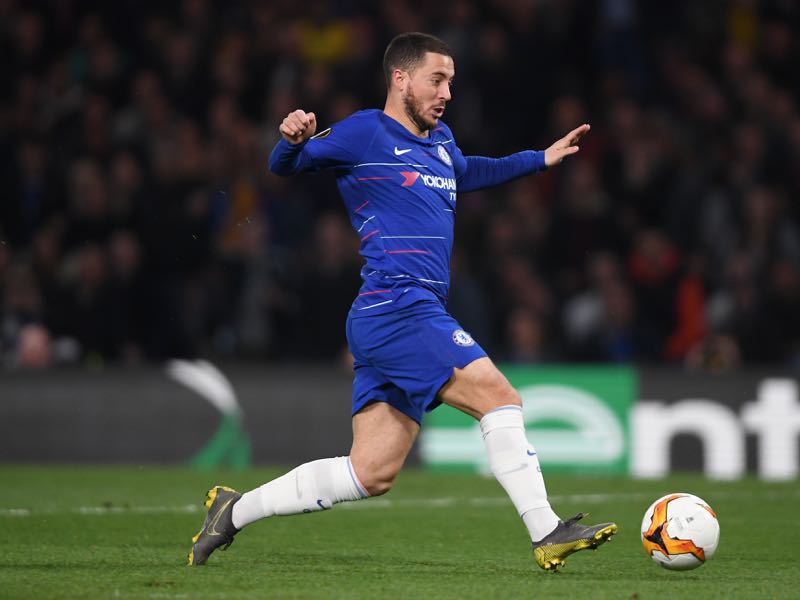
(378, 503)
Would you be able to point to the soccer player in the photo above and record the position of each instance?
(399, 172)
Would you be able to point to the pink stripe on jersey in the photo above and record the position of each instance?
(376, 292)
(362, 206)
(406, 252)
(371, 178)
(369, 235)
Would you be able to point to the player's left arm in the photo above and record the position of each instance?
(482, 172)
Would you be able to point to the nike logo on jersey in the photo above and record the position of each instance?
(398, 152)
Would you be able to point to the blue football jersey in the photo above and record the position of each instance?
(400, 192)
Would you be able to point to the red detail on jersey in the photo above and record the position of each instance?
(371, 178)
(369, 235)
(375, 292)
(406, 252)
(409, 177)
(362, 206)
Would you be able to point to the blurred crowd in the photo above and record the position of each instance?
(138, 220)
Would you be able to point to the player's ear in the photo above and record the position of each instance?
(398, 78)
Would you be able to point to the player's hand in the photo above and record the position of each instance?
(565, 146)
(298, 126)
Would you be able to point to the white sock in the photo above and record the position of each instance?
(515, 465)
(312, 486)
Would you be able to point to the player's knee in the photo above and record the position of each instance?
(500, 392)
(491, 384)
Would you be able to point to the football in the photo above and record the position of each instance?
(680, 531)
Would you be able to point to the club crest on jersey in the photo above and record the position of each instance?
(445, 156)
(462, 338)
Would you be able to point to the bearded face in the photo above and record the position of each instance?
(427, 91)
(415, 110)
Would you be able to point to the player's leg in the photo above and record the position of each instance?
(382, 439)
(481, 390)
(311, 487)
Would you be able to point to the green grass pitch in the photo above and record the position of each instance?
(125, 532)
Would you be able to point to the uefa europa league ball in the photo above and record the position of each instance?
(680, 531)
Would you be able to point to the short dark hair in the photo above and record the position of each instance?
(407, 50)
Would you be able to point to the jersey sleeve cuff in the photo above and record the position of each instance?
(538, 161)
(283, 158)
(289, 148)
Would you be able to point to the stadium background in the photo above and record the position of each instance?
(138, 222)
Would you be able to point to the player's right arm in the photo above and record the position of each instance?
(298, 126)
(299, 149)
